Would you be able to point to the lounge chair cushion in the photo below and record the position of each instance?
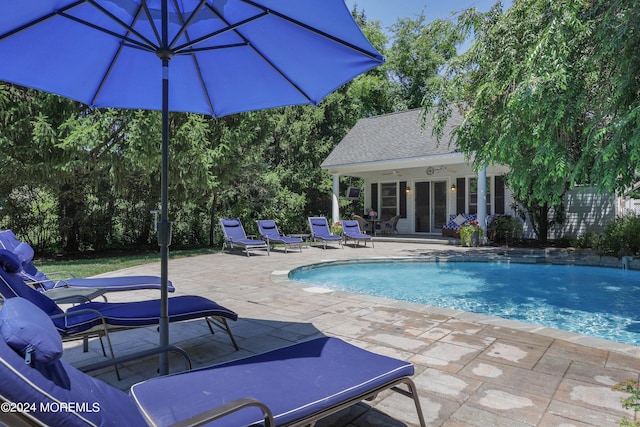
(29, 330)
(294, 382)
(231, 222)
(24, 252)
(142, 313)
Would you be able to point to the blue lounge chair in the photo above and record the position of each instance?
(291, 386)
(320, 231)
(68, 287)
(351, 231)
(234, 235)
(270, 233)
(100, 318)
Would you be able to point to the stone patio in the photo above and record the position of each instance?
(471, 370)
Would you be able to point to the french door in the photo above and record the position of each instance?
(430, 206)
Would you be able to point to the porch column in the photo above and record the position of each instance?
(335, 206)
(482, 199)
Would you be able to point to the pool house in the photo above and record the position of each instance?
(408, 172)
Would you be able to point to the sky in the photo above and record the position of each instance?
(388, 11)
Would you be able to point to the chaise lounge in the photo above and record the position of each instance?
(69, 287)
(351, 231)
(100, 318)
(320, 231)
(291, 386)
(270, 233)
(235, 236)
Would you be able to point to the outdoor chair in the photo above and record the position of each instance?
(235, 236)
(390, 226)
(320, 231)
(351, 231)
(365, 226)
(62, 285)
(291, 386)
(269, 232)
(90, 319)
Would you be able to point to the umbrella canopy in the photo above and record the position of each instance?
(215, 57)
(226, 56)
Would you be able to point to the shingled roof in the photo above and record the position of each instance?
(393, 136)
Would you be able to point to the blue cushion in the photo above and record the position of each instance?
(24, 252)
(294, 382)
(9, 261)
(29, 331)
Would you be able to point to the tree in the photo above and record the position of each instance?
(527, 90)
(419, 52)
(612, 149)
(97, 171)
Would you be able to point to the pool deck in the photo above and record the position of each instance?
(471, 370)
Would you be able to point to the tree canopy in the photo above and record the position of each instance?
(550, 89)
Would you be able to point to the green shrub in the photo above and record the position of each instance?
(622, 236)
(336, 229)
(505, 229)
(589, 240)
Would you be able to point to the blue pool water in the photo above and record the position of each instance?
(595, 301)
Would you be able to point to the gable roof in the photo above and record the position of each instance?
(394, 136)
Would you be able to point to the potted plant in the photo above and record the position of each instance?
(470, 234)
(336, 229)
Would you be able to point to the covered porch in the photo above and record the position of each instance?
(407, 172)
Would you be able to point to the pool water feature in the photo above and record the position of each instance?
(596, 301)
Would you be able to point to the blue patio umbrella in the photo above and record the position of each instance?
(215, 57)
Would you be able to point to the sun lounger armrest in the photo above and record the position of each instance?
(83, 311)
(139, 355)
(39, 283)
(227, 409)
(68, 274)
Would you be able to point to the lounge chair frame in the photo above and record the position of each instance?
(240, 240)
(351, 231)
(239, 404)
(12, 285)
(269, 232)
(315, 368)
(63, 286)
(320, 231)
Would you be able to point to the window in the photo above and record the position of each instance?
(467, 195)
(473, 195)
(388, 200)
(499, 194)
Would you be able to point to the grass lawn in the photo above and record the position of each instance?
(86, 267)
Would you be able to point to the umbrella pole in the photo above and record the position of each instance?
(164, 230)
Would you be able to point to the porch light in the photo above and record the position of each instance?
(453, 188)
(408, 190)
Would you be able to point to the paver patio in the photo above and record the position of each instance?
(471, 370)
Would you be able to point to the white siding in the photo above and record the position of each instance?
(632, 206)
(585, 210)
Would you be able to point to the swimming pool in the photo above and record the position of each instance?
(595, 301)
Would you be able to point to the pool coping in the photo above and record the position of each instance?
(281, 277)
